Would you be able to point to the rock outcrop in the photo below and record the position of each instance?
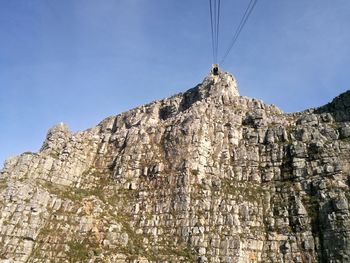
(203, 176)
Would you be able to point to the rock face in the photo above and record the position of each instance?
(203, 176)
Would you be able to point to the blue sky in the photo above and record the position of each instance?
(79, 61)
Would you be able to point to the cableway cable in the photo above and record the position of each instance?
(215, 17)
(217, 31)
(214, 7)
(240, 27)
(212, 29)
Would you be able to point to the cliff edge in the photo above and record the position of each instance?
(203, 176)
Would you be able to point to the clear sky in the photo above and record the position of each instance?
(79, 61)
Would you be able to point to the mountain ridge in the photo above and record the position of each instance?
(202, 176)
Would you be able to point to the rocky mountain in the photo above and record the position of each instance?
(203, 176)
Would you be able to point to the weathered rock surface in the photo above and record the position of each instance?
(203, 176)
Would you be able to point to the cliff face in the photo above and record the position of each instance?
(203, 176)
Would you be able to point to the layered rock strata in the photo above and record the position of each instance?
(203, 176)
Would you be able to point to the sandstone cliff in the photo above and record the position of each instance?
(203, 176)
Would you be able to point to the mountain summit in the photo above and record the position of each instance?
(203, 176)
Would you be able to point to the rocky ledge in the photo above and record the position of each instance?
(203, 176)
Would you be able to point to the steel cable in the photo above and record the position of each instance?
(215, 23)
(212, 29)
(240, 27)
(217, 31)
(214, 7)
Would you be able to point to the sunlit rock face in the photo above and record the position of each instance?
(203, 176)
